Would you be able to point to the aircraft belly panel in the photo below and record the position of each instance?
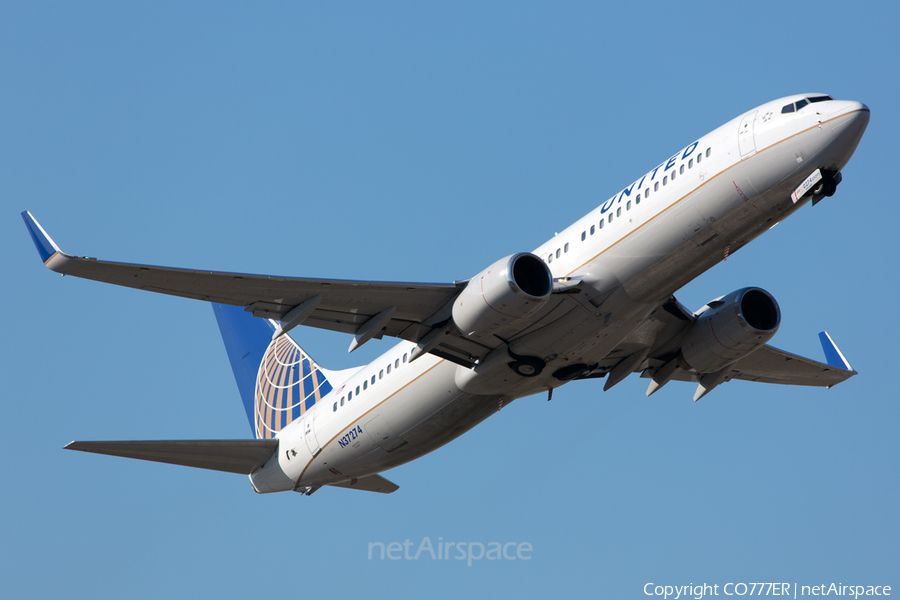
(459, 414)
(454, 419)
(386, 429)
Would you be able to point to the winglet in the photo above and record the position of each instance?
(46, 247)
(833, 356)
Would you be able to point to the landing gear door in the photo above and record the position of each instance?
(746, 141)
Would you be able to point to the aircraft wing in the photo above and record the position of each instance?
(771, 365)
(666, 326)
(366, 309)
(232, 456)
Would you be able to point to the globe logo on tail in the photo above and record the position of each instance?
(287, 385)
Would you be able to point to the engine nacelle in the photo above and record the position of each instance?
(731, 328)
(503, 296)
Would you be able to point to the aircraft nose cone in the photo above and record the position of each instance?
(848, 120)
(848, 117)
(839, 108)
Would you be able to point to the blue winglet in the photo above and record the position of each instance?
(833, 356)
(45, 246)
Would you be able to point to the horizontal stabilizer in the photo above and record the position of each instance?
(232, 456)
(370, 483)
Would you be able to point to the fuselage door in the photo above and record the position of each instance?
(309, 432)
(746, 141)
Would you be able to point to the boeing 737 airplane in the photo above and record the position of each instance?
(595, 301)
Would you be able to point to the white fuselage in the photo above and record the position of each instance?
(640, 245)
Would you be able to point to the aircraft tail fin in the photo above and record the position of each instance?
(277, 380)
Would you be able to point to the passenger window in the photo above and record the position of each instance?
(691, 163)
(366, 384)
(342, 400)
(397, 364)
(549, 258)
(601, 224)
(404, 357)
(609, 218)
(373, 380)
(357, 390)
(619, 212)
(389, 369)
(665, 180)
(583, 235)
(647, 193)
(566, 248)
(656, 187)
(673, 178)
(628, 205)
(557, 253)
(699, 157)
(637, 200)
(592, 230)
(707, 152)
(335, 407)
(350, 396)
(681, 170)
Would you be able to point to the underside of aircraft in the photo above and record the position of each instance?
(595, 301)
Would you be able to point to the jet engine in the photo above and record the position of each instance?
(729, 329)
(503, 296)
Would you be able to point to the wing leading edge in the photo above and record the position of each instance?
(366, 309)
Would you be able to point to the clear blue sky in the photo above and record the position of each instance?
(417, 141)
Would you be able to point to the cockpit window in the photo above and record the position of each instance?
(801, 103)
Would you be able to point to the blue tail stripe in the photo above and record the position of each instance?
(246, 340)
